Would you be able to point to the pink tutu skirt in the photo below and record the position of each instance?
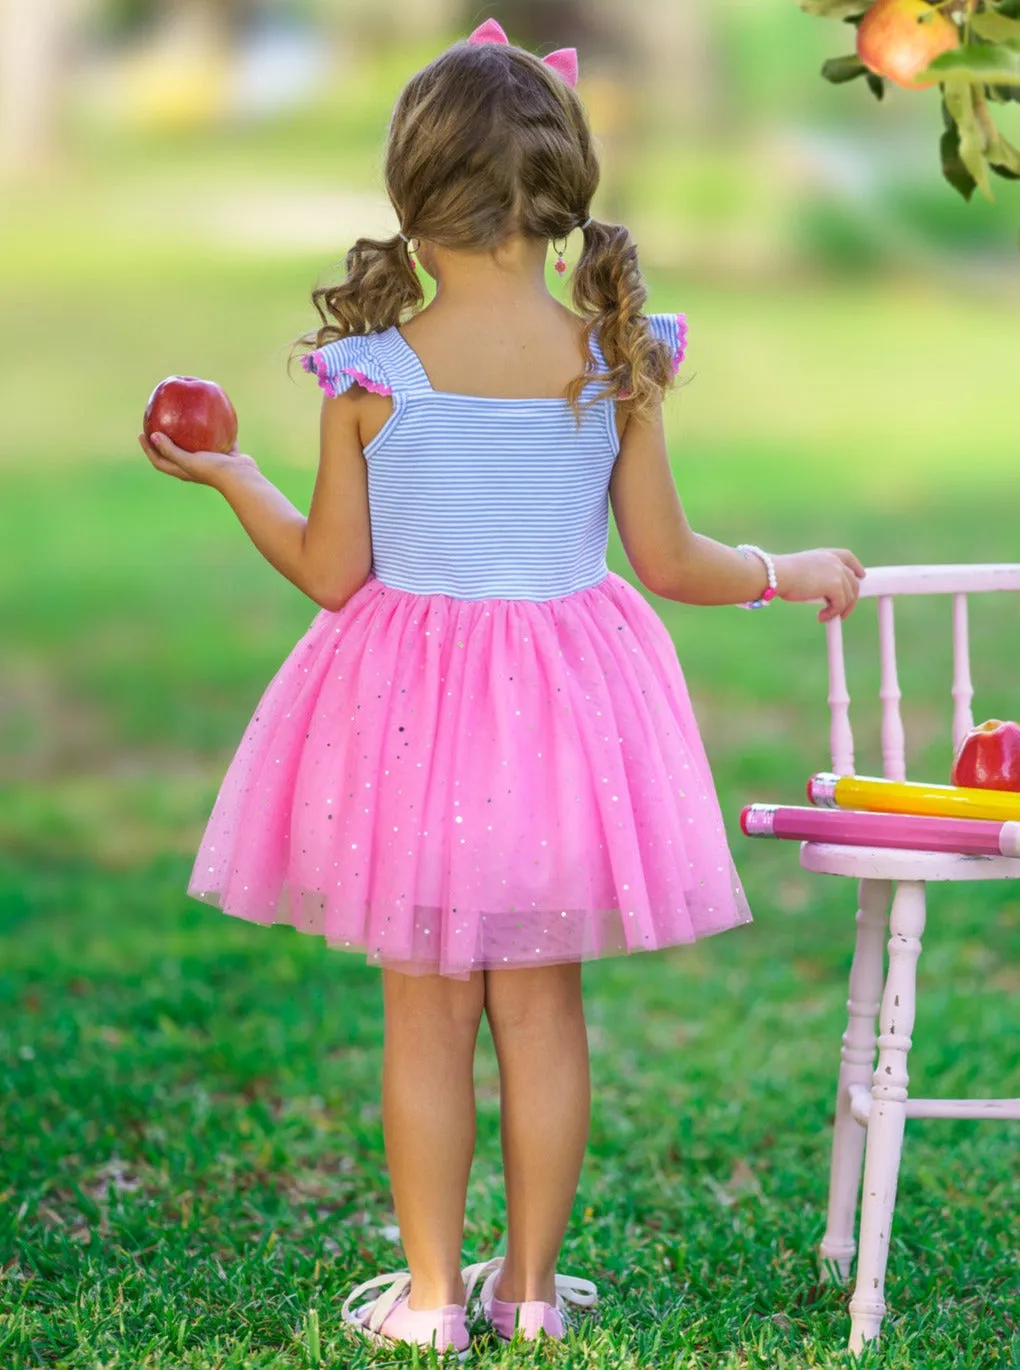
(450, 785)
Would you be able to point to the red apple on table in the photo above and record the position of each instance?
(989, 757)
(195, 414)
(899, 39)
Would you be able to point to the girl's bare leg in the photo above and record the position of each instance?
(429, 1122)
(537, 1022)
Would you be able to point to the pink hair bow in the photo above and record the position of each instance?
(563, 60)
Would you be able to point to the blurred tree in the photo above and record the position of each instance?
(124, 18)
(386, 22)
(34, 43)
(546, 24)
(664, 50)
(675, 46)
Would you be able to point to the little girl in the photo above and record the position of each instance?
(479, 766)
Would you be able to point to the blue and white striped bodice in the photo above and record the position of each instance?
(478, 497)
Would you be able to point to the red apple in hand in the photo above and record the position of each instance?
(197, 415)
(899, 39)
(989, 757)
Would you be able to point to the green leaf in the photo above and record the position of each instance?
(1003, 95)
(841, 69)
(959, 98)
(995, 27)
(876, 85)
(1004, 157)
(992, 65)
(952, 167)
(1010, 8)
(834, 9)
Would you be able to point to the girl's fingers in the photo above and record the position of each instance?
(168, 448)
(161, 463)
(831, 609)
(843, 599)
(150, 452)
(851, 561)
(853, 594)
(179, 456)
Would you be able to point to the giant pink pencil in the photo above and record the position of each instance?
(964, 836)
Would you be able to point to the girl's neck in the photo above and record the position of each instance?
(511, 276)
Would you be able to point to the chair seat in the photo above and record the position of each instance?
(896, 863)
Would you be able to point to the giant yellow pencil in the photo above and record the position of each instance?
(874, 795)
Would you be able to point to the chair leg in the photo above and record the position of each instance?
(856, 1068)
(888, 1112)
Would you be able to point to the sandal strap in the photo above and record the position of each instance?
(570, 1289)
(374, 1313)
(481, 1271)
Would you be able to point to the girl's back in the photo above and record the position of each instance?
(479, 483)
(518, 347)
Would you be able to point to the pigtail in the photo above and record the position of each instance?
(609, 291)
(380, 289)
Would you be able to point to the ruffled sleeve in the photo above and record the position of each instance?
(672, 329)
(347, 361)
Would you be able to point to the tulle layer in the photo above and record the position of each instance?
(448, 785)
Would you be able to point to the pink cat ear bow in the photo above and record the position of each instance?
(489, 32)
(563, 60)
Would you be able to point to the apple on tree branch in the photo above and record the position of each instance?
(970, 48)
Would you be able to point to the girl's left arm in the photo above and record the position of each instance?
(327, 555)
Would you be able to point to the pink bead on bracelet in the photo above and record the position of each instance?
(770, 569)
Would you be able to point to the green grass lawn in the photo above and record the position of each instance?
(192, 1169)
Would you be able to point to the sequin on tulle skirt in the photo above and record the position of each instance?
(449, 785)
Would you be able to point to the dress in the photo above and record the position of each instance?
(487, 758)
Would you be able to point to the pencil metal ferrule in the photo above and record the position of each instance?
(758, 820)
(822, 790)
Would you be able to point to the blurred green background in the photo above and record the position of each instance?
(192, 1167)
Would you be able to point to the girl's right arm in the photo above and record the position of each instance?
(673, 561)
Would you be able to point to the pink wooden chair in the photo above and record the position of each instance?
(872, 1101)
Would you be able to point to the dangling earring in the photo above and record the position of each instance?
(559, 266)
(412, 248)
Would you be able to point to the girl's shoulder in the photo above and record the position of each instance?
(383, 363)
(371, 360)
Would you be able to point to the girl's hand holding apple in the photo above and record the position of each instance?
(190, 430)
(825, 573)
(202, 468)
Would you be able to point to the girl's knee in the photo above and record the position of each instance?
(420, 1001)
(514, 998)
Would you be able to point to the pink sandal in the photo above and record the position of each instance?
(387, 1320)
(533, 1316)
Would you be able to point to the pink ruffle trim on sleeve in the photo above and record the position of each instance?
(315, 364)
(681, 342)
(376, 387)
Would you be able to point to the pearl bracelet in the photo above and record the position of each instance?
(770, 568)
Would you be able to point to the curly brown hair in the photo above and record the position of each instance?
(485, 141)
